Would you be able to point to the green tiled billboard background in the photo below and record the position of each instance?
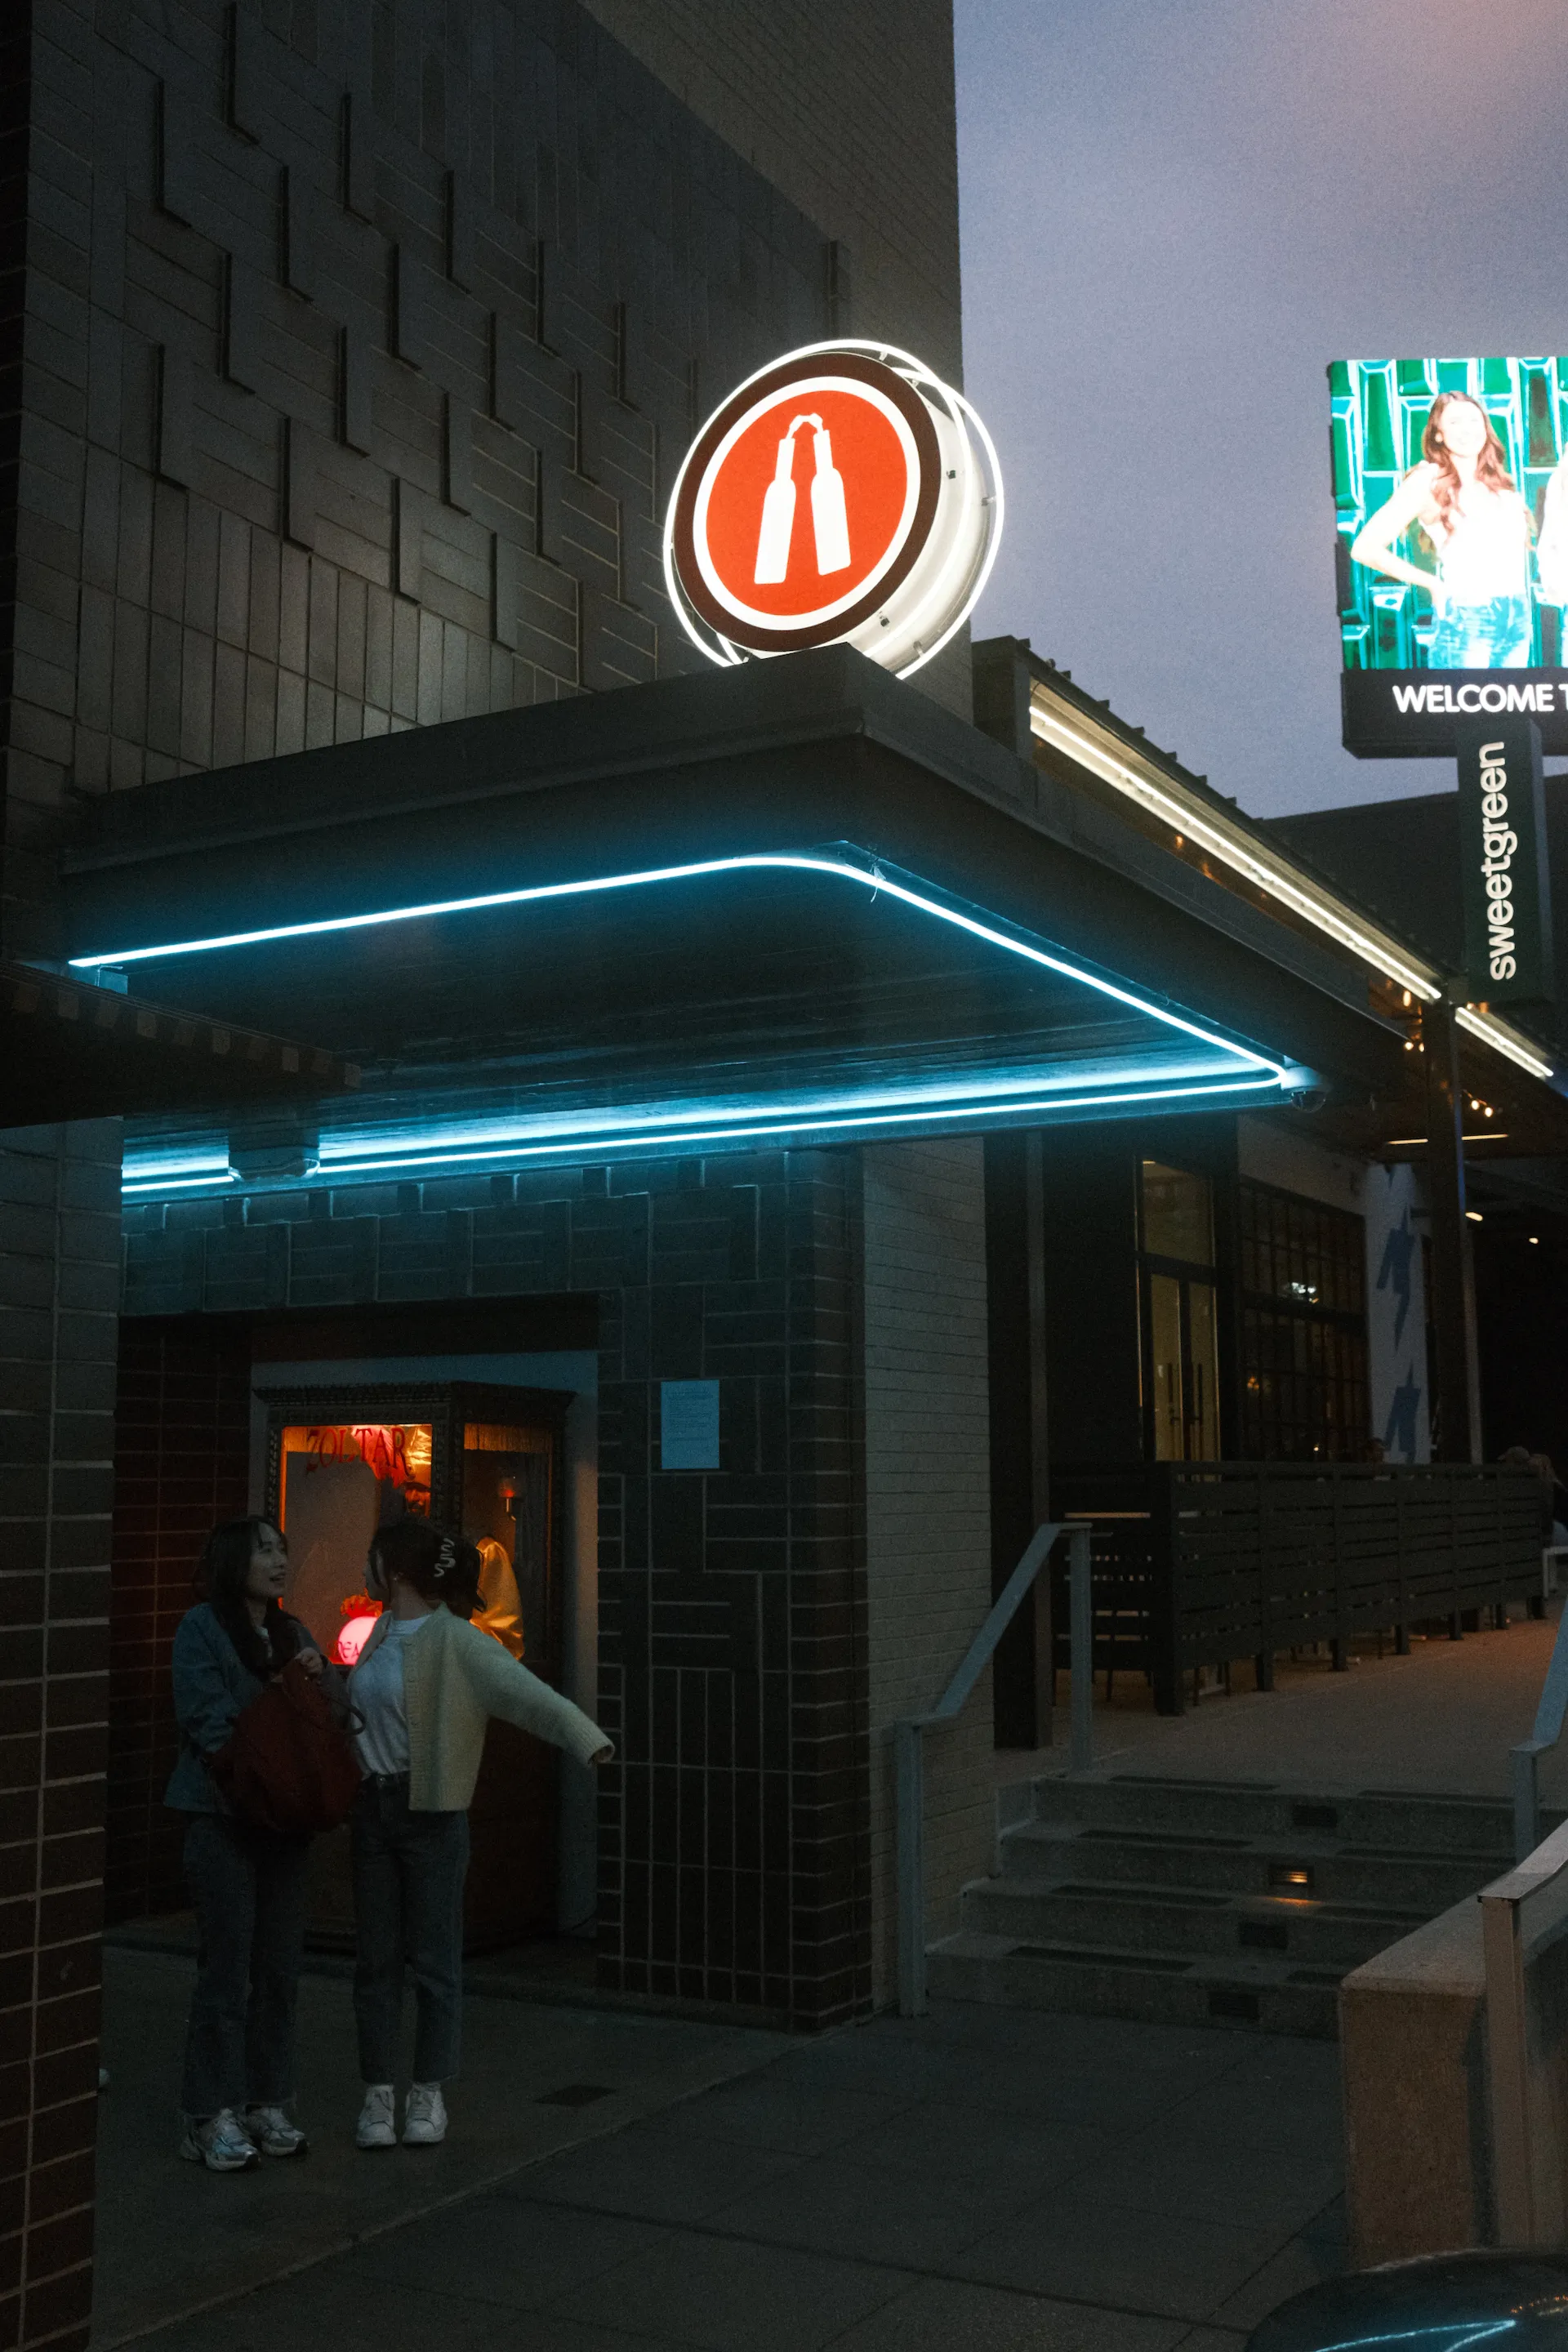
(1379, 409)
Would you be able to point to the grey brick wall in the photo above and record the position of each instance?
(60, 1237)
(928, 1508)
(360, 343)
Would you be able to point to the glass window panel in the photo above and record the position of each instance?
(340, 1481)
(1178, 1214)
(1165, 1331)
(1312, 1346)
(1203, 1406)
(507, 1512)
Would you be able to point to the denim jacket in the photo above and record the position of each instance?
(212, 1686)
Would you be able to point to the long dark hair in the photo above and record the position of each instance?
(220, 1580)
(440, 1567)
(1491, 463)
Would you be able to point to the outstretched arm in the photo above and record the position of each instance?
(1373, 542)
(505, 1688)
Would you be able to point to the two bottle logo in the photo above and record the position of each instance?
(830, 522)
(906, 509)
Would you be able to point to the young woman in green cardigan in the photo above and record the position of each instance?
(425, 1685)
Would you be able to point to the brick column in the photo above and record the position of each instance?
(182, 1452)
(59, 1245)
(733, 1854)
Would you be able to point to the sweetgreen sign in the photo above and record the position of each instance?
(1503, 862)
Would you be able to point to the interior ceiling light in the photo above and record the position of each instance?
(1501, 1039)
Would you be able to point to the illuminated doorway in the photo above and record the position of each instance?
(341, 1461)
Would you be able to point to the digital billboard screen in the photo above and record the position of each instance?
(1451, 510)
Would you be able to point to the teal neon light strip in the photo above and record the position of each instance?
(342, 1163)
(139, 1178)
(995, 1090)
(873, 878)
(808, 1122)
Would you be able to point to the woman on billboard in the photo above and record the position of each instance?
(1551, 562)
(1463, 496)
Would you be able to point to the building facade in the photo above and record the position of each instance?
(753, 1239)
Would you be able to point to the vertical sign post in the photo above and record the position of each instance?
(1503, 862)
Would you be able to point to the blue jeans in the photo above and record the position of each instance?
(408, 1874)
(249, 1898)
(1493, 636)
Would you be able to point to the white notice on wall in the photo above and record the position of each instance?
(688, 1424)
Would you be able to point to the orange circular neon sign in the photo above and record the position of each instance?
(843, 494)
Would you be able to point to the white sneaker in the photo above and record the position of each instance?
(275, 2133)
(425, 2118)
(220, 2142)
(376, 2128)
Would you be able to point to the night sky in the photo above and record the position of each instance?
(1176, 214)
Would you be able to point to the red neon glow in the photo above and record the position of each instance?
(385, 1448)
(353, 1637)
(870, 456)
(382, 1445)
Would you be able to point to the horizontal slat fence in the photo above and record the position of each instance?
(1199, 1564)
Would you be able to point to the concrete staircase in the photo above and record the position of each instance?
(1201, 1902)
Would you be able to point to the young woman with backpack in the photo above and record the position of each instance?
(248, 1887)
(425, 1687)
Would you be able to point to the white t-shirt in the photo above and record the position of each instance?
(376, 1687)
(1486, 550)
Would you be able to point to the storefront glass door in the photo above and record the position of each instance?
(1181, 1325)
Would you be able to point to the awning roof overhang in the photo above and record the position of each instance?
(783, 903)
(72, 1050)
(915, 1012)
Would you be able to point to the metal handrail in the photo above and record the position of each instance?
(1524, 1762)
(1521, 1912)
(908, 1734)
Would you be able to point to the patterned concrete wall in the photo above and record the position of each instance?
(850, 113)
(928, 1515)
(360, 343)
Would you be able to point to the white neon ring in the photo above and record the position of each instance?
(716, 647)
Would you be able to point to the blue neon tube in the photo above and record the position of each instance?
(876, 879)
(342, 1160)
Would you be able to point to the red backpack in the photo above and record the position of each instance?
(289, 1768)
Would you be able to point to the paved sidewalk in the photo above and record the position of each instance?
(1441, 1720)
(1006, 2181)
(996, 2180)
(171, 2237)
